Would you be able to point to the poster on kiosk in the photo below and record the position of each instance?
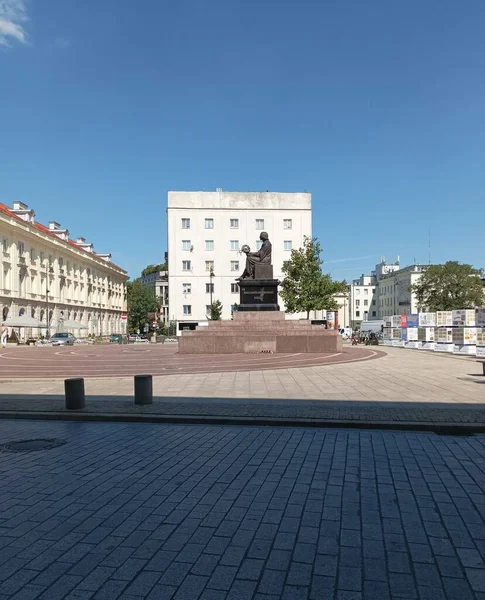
(331, 319)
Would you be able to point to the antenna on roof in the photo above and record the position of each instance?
(429, 246)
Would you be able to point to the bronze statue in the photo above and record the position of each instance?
(262, 256)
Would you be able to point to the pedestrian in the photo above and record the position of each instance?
(3, 336)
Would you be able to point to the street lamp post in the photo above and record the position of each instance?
(48, 271)
(211, 286)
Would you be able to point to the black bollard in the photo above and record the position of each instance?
(74, 390)
(143, 389)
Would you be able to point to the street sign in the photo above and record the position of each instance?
(124, 317)
(154, 323)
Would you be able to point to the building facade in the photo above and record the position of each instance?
(385, 292)
(158, 282)
(395, 294)
(46, 275)
(206, 231)
(363, 300)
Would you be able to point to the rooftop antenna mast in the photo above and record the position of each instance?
(429, 246)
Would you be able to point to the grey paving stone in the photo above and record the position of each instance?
(242, 590)
(205, 565)
(222, 578)
(272, 582)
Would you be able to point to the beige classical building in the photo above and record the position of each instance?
(46, 275)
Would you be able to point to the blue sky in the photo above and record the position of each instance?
(376, 107)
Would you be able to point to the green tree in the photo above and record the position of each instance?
(149, 269)
(449, 286)
(216, 310)
(141, 300)
(305, 287)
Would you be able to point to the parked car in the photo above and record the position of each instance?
(118, 338)
(137, 339)
(62, 339)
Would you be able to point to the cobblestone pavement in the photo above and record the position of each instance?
(148, 511)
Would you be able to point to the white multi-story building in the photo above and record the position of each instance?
(385, 292)
(395, 294)
(363, 303)
(46, 275)
(205, 233)
(158, 282)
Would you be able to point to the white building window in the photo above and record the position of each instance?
(186, 244)
(259, 243)
(366, 292)
(234, 223)
(209, 265)
(287, 224)
(21, 248)
(185, 223)
(209, 287)
(357, 303)
(357, 313)
(209, 245)
(234, 265)
(357, 292)
(366, 302)
(5, 244)
(234, 288)
(287, 245)
(209, 223)
(187, 288)
(32, 254)
(186, 265)
(259, 224)
(234, 244)
(187, 309)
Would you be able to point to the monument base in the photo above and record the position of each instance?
(258, 295)
(258, 332)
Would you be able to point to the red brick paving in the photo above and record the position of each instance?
(125, 361)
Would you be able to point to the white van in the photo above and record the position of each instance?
(346, 332)
(371, 326)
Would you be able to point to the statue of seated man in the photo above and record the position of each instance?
(262, 256)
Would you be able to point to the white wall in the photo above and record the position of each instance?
(272, 207)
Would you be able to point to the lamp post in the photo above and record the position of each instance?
(48, 271)
(211, 286)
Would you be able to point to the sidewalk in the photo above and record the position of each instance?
(405, 388)
(169, 512)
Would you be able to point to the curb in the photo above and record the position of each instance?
(444, 428)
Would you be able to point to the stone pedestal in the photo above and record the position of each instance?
(257, 332)
(258, 295)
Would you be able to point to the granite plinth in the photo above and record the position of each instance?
(263, 271)
(258, 295)
(255, 332)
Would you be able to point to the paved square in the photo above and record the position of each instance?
(151, 511)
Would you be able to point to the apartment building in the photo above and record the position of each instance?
(46, 275)
(395, 294)
(158, 282)
(363, 300)
(206, 231)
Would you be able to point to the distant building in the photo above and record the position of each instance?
(385, 292)
(395, 295)
(56, 280)
(158, 281)
(363, 304)
(206, 231)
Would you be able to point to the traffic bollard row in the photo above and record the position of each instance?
(76, 399)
